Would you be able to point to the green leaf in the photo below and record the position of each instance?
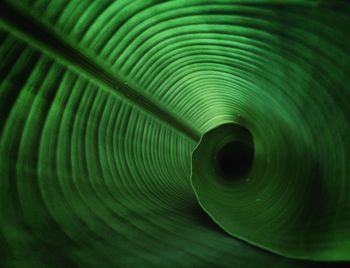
(102, 104)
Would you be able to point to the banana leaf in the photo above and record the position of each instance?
(184, 133)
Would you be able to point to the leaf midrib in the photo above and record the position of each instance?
(25, 26)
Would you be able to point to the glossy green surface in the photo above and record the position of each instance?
(102, 104)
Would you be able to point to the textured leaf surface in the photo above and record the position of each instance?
(103, 102)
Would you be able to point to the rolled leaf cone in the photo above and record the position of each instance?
(183, 133)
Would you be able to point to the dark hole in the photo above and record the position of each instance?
(234, 159)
